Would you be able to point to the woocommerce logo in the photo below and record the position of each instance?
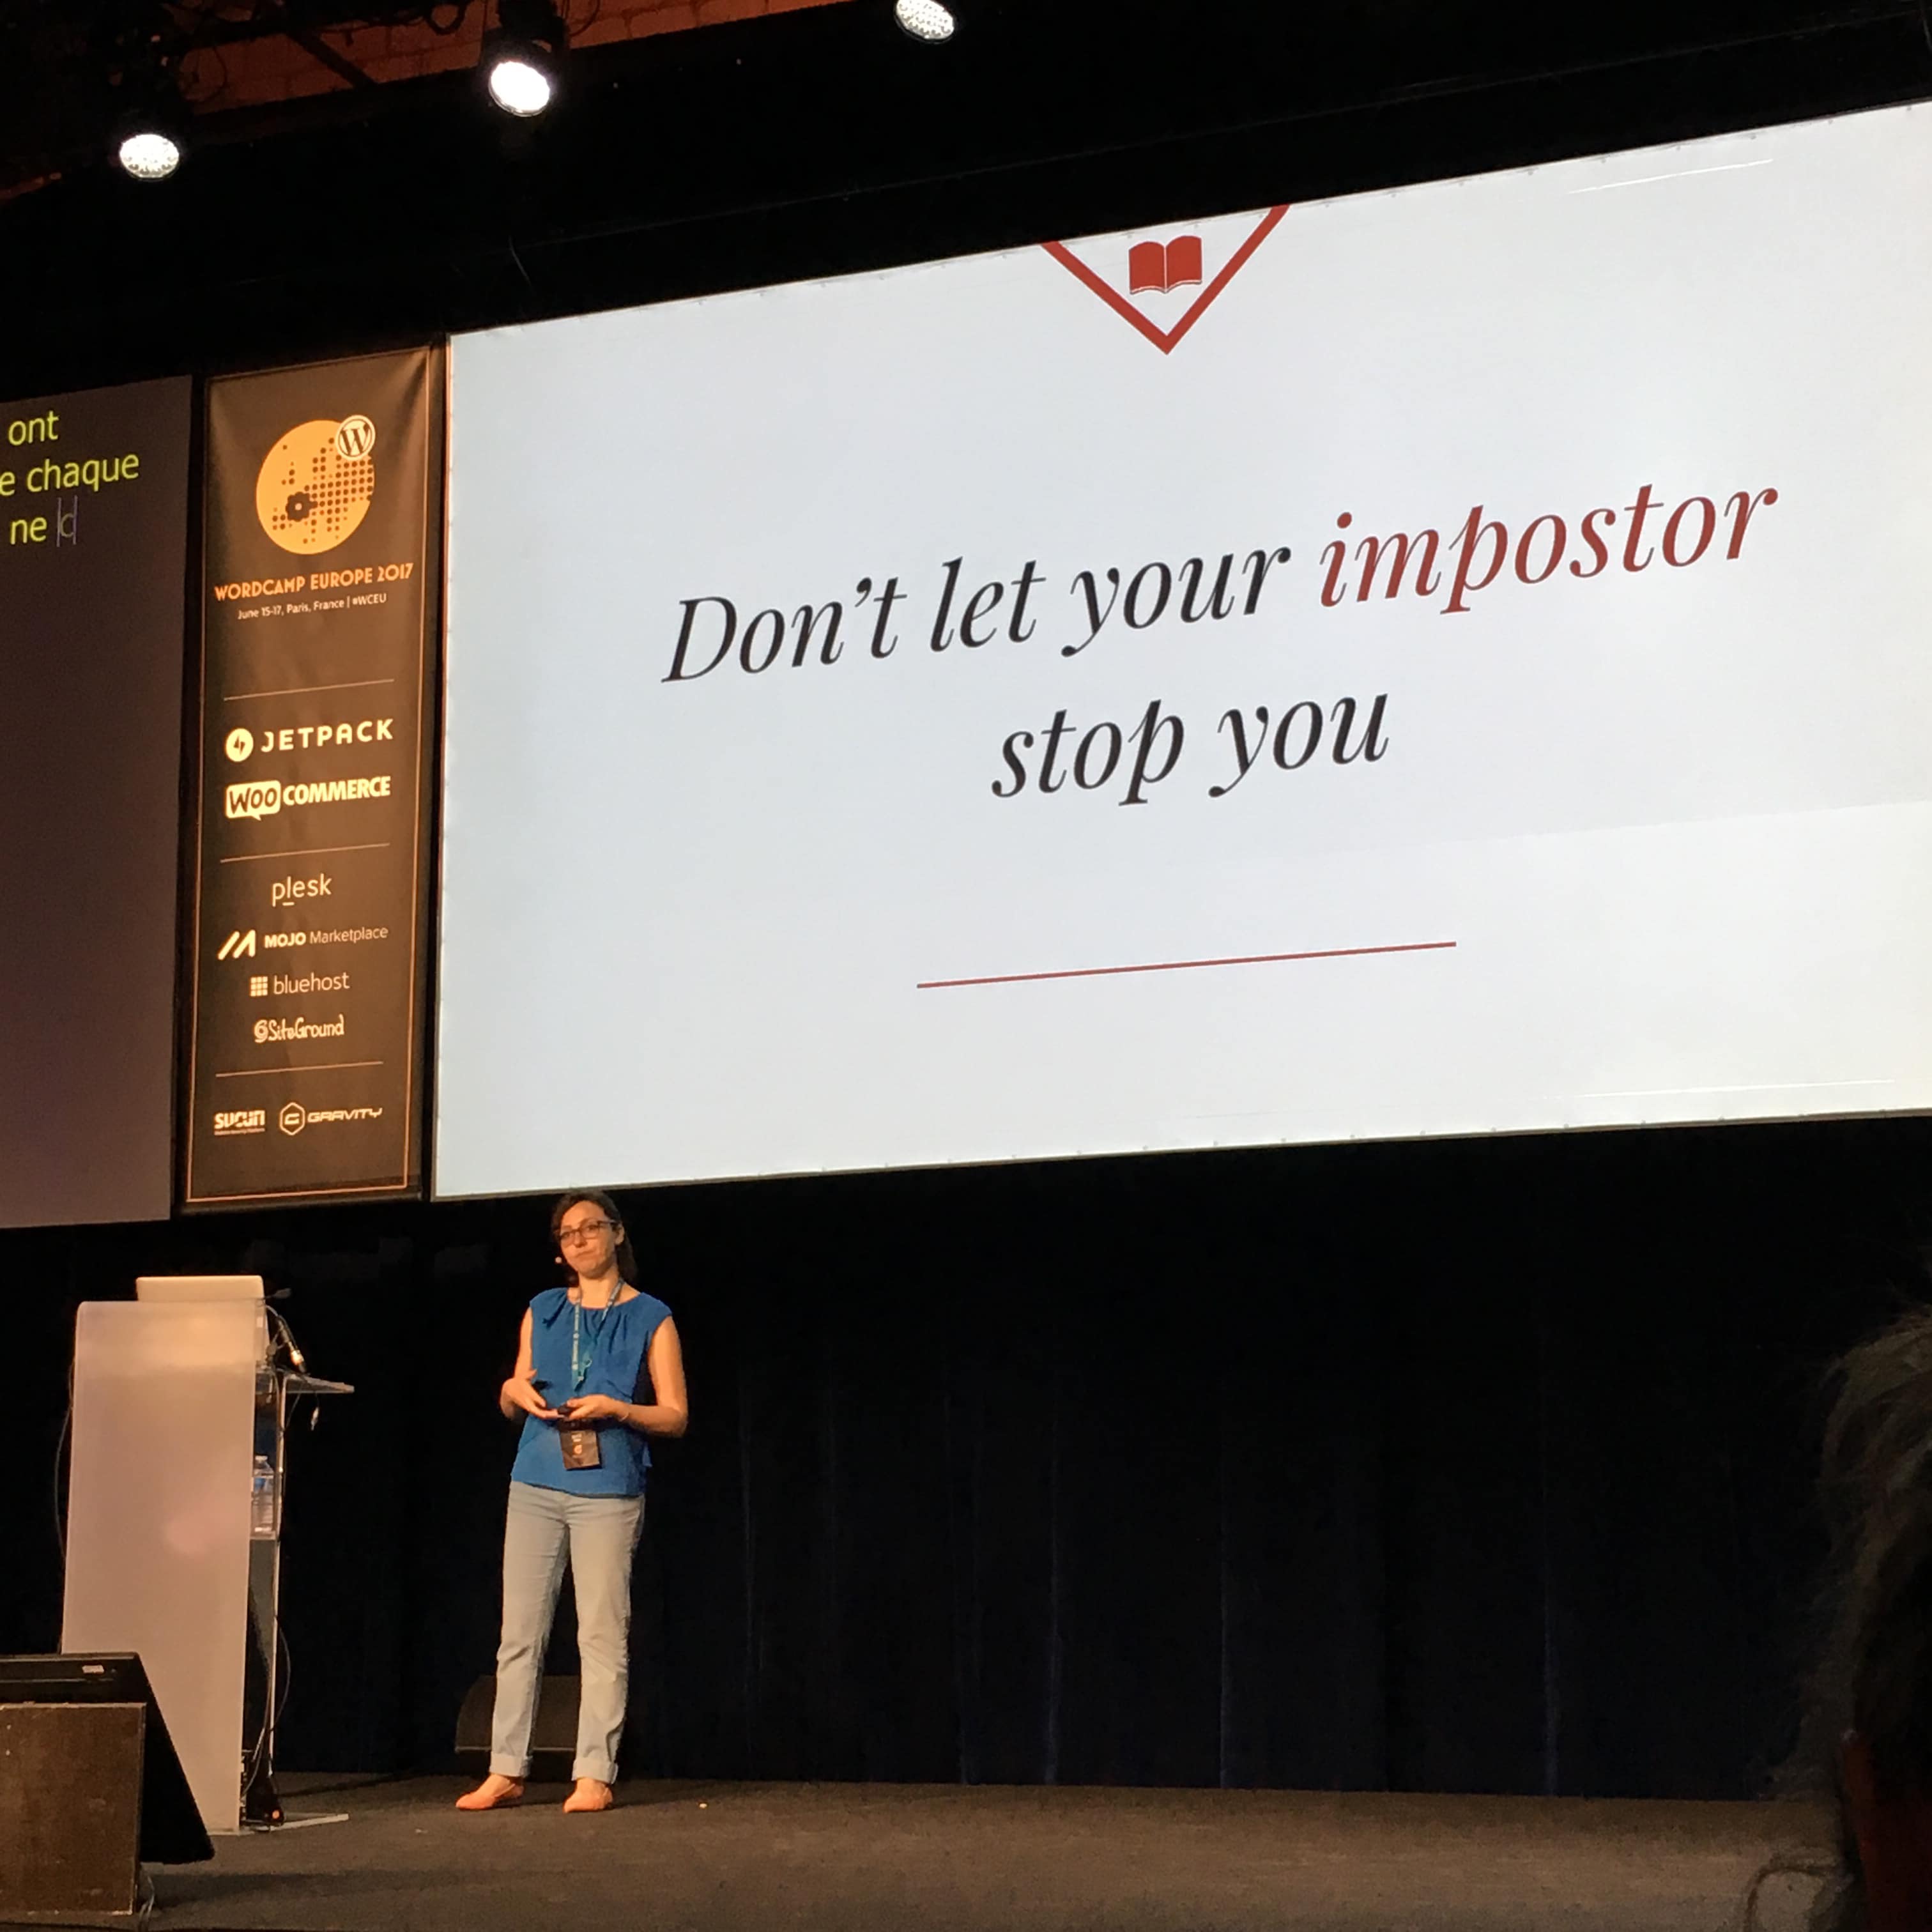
(262, 797)
(254, 801)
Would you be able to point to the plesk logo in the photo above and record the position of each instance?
(262, 798)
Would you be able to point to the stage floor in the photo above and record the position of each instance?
(833, 1858)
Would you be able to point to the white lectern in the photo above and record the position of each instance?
(174, 1401)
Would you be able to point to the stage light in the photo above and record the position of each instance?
(521, 59)
(520, 86)
(149, 154)
(924, 19)
(150, 136)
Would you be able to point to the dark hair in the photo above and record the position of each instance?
(627, 1260)
(1873, 1673)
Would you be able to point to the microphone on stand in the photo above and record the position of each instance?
(289, 1341)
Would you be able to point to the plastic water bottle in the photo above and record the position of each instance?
(262, 1509)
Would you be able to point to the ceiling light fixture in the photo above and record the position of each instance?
(149, 154)
(151, 136)
(924, 19)
(521, 59)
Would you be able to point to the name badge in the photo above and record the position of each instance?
(581, 1449)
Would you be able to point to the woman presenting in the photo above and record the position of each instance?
(576, 1491)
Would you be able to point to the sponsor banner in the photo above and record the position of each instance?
(93, 551)
(321, 600)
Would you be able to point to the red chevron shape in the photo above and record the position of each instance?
(1166, 340)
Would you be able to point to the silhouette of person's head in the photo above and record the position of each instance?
(1868, 1721)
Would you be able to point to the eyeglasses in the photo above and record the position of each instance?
(584, 1231)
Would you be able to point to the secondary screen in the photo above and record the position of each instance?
(1435, 662)
(93, 547)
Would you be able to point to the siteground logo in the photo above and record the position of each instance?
(315, 486)
(301, 1027)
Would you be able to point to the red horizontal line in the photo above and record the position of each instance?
(1190, 965)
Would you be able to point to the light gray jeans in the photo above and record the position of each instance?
(598, 1535)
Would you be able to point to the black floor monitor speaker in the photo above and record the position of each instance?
(552, 1737)
(171, 1828)
(70, 1813)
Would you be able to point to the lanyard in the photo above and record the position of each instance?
(582, 1359)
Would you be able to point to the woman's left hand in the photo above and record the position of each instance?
(596, 1408)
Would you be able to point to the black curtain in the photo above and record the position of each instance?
(1477, 1466)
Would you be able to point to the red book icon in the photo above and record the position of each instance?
(1151, 266)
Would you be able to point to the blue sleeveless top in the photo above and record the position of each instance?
(617, 1341)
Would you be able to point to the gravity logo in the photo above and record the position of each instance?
(315, 486)
(295, 1116)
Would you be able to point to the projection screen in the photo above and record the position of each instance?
(1443, 661)
(94, 490)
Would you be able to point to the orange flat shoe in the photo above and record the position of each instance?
(590, 1794)
(496, 1793)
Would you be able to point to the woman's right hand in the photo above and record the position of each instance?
(518, 1393)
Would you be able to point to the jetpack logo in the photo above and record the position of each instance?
(1163, 285)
